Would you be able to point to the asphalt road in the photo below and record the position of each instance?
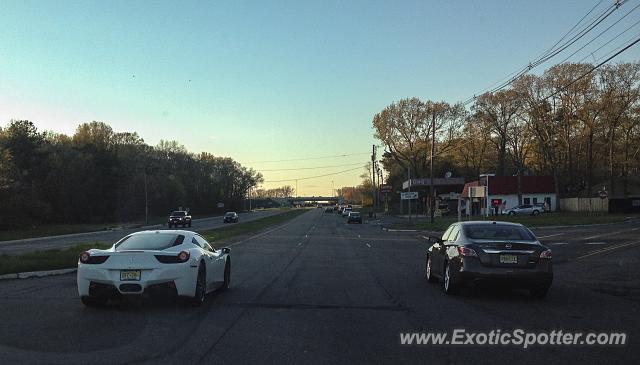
(316, 290)
(47, 243)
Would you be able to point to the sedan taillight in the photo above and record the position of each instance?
(546, 254)
(467, 252)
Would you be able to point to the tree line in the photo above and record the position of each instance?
(581, 127)
(98, 175)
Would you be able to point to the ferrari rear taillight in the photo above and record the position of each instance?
(183, 256)
(87, 258)
(84, 257)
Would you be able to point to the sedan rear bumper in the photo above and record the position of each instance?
(472, 271)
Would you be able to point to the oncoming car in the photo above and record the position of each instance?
(169, 262)
(470, 252)
(230, 217)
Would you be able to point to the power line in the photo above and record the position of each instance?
(311, 168)
(600, 34)
(553, 51)
(314, 177)
(545, 53)
(308, 158)
(610, 40)
(594, 68)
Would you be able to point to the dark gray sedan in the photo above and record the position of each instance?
(470, 252)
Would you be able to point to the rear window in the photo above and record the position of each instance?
(151, 241)
(178, 214)
(230, 214)
(497, 232)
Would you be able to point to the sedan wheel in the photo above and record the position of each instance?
(512, 213)
(428, 273)
(447, 283)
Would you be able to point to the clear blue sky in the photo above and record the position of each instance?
(264, 80)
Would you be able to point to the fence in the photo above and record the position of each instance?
(584, 205)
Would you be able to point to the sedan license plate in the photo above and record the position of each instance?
(508, 259)
(130, 275)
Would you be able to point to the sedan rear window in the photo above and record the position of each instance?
(151, 241)
(178, 214)
(497, 232)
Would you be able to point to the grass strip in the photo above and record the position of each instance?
(45, 260)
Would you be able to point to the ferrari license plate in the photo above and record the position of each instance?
(508, 259)
(130, 275)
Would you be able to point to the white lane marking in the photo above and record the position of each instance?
(607, 234)
(635, 229)
(306, 236)
(299, 244)
(368, 245)
(559, 243)
(358, 236)
(595, 243)
(551, 235)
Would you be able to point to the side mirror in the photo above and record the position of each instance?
(226, 250)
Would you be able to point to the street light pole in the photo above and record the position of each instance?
(431, 189)
(146, 200)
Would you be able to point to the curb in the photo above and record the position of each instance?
(36, 274)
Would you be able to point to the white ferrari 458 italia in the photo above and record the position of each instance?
(169, 262)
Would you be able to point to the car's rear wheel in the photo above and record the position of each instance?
(512, 213)
(448, 286)
(428, 271)
(535, 212)
(540, 291)
(201, 287)
(189, 224)
(227, 276)
(94, 301)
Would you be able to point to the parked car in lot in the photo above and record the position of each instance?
(230, 217)
(346, 211)
(328, 210)
(179, 218)
(168, 262)
(525, 209)
(470, 252)
(354, 217)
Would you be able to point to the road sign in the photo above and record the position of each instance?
(409, 196)
(386, 188)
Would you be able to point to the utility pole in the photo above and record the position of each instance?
(373, 176)
(409, 200)
(146, 199)
(433, 148)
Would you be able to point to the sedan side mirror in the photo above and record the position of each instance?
(226, 250)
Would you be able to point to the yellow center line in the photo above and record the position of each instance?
(604, 250)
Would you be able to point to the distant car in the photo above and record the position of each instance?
(168, 262)
(527, 209)
(354, 217)
(230, 217)
(328, 210)
(346, 211)
(340, 208)
(179, 218)
(475, 251)
(444, 209)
